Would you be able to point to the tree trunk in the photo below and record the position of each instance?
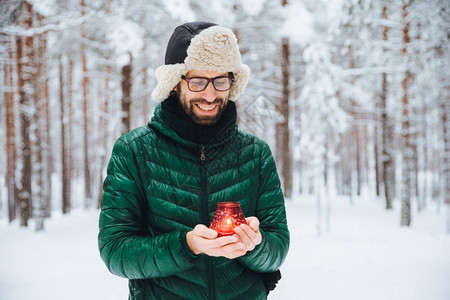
(376, 151)
(25, 77)
(49, 166)
(65, 166)
(41, 148)
(104, 131)
(145, 108)
(387, 134)
(87, 172)
(422, 199)
(406, 131)
(283, 153)
(10, 129)
(69, 130)
(413, 117)
(387, 145)
(104, 120)
(357, 157)
(420, 109)
(346, 163)
(286, 153)
(126, 96)
(445, 109)
(236, 11)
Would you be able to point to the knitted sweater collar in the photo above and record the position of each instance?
(187, 129)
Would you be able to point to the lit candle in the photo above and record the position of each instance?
(227, 216)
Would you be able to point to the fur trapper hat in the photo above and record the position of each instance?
(201, 46)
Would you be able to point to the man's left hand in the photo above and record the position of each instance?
(249, 233)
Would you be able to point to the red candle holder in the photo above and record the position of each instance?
(227, 216)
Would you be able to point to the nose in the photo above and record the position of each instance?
(209, 94)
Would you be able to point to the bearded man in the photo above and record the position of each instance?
(165, 180)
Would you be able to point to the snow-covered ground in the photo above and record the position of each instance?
(365, 255)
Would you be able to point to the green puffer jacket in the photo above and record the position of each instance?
(157, 189)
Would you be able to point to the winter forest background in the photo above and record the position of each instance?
(352, 96)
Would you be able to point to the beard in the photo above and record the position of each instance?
(191, 109)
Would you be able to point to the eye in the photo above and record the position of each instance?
(221, 82)
(197, 81)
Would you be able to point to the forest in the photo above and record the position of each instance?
(353, 96)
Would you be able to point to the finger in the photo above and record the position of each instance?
(239, 231)
(254, 237)
(205, 232)
(236, 254)
(245, 237)
(223, 241)
(230, 251)
(249, 232)
(252, 222)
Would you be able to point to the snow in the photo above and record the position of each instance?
(60, 263)
(126, 36)
(253, 7)
(180, 9)
(365, 255)
(44, 7)
(298, 24)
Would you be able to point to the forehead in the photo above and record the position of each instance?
(207, 74)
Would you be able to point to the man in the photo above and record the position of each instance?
(165, 179)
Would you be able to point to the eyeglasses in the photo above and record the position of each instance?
(198, 84)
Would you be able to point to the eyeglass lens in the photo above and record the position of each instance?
(198, 84)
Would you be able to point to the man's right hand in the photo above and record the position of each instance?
(204, 240)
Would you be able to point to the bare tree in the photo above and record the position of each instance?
(103, 127)
(10, 128)
(283, 132)
(407, 148)
(445, 105)
(387, 132)
(69, 123)
(65, 161)
(24, 48)
(85, 84)
(145, 87)
(127, 83)
(42, 178)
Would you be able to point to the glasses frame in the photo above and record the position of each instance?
(230, 77)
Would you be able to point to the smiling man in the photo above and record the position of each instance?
(165, 180)
(201, 101)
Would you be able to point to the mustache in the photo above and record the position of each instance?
(217, 101)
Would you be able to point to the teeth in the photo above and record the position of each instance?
(207, 108)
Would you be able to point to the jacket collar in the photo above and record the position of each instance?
(169, 121)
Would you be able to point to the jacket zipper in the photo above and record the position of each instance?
(205, 220)
(202, 153)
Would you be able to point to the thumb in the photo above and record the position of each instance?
(203, 231)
